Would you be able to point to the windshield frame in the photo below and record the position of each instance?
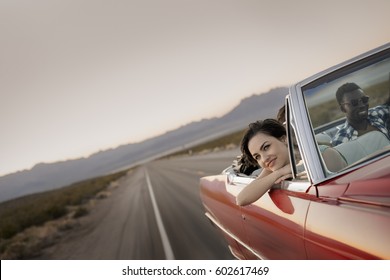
(300, 119)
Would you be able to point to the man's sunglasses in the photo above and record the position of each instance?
(356, 102)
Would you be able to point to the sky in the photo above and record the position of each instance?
(80, 76)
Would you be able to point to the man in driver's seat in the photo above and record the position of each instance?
(360, 119)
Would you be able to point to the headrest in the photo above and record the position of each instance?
(323, 139)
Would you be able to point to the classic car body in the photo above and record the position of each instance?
(342, 214)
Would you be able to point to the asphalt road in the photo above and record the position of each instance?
(154, 213)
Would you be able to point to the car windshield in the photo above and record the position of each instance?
(353, 124)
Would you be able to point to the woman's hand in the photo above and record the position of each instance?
(284, 172)
(258, 187)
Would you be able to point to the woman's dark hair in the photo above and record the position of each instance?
(270, 127)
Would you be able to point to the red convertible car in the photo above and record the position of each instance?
(327, 214)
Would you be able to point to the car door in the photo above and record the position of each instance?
(275, 223)
(218, 195)
(351, 219)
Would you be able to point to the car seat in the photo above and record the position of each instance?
(364, 145)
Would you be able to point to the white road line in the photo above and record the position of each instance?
(163, 234)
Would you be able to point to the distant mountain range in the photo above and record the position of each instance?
(43, 177)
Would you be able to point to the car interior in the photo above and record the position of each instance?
(326, 119)
(363, 146)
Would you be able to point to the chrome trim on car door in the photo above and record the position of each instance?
(233, 253)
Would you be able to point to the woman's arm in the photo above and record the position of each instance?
(262, 184)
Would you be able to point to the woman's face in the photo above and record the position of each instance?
(269, 152)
